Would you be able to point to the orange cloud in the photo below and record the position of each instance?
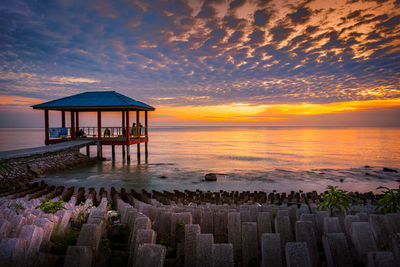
(263, 113)
(19, 100)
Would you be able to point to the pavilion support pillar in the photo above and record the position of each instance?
(88, 151)
(138, 123)
(138, 134)
(63, 119)
(113, 152)
(128, 137)
(123, 123)
(77, 121)
(123, 134)
(46, 127)
(99, 146)
(72, 125)
(146, 125)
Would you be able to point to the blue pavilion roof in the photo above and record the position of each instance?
(107, 100)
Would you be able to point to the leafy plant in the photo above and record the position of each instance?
(61, 241)
(19, 207)
(171, 240)
(273, 214)
(337, 200)
(390, 202)
(47, 206)
(83, 214)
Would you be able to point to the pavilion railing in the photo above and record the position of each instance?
(106, 132)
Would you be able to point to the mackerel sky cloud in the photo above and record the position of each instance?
(203, 53)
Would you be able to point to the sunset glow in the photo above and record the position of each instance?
(265, 62)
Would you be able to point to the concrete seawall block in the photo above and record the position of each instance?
(78, 256)
(336, 250)
(184, 217)
(143, 236)
(332, 225)
(141, 222)
(297, 254)
(319, 217)
(235, 234)
(363, 240)
(12, 251)
(249, 244)
(47, 227)
(34, 236)
(191, 232)
(271, 253)
(90, 236)
(204, 245)
(284, 228)
(207, 224)
(305, 233)
(222, 255)
(381, 230)
(17, 222)
(264, 224)
(220, 227)
(381, 259)
(5, 228)
(150, 255)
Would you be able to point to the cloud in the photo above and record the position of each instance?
(202, 52)
(301, 16)
(280, 32)
(261, 17)
(72, 80)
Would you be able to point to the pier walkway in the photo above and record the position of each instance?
(27, 152)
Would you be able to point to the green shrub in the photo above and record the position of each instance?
(47, 206)
(171, 241)
(390, 202)
(337, 200)
(61, 241)
(18, 208)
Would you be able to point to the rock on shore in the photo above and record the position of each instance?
(210, 177)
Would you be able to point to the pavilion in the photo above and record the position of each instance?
(100, 102)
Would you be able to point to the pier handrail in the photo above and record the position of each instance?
(108, 132)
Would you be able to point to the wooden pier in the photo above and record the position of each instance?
(28, 152)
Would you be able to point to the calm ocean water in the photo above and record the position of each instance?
(247, 158)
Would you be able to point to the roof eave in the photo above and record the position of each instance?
(105, 108)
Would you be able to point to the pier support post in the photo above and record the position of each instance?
(138, 152)
(99, 150)
(88, 151)
(113, 152)
(128, 154)
(146, 152)
(123, 152)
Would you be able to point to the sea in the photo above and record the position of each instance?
(244, 158)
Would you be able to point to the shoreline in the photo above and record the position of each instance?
(17, 172)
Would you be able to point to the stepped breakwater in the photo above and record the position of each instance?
(15, 172)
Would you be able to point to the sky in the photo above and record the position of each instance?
(219, 62)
